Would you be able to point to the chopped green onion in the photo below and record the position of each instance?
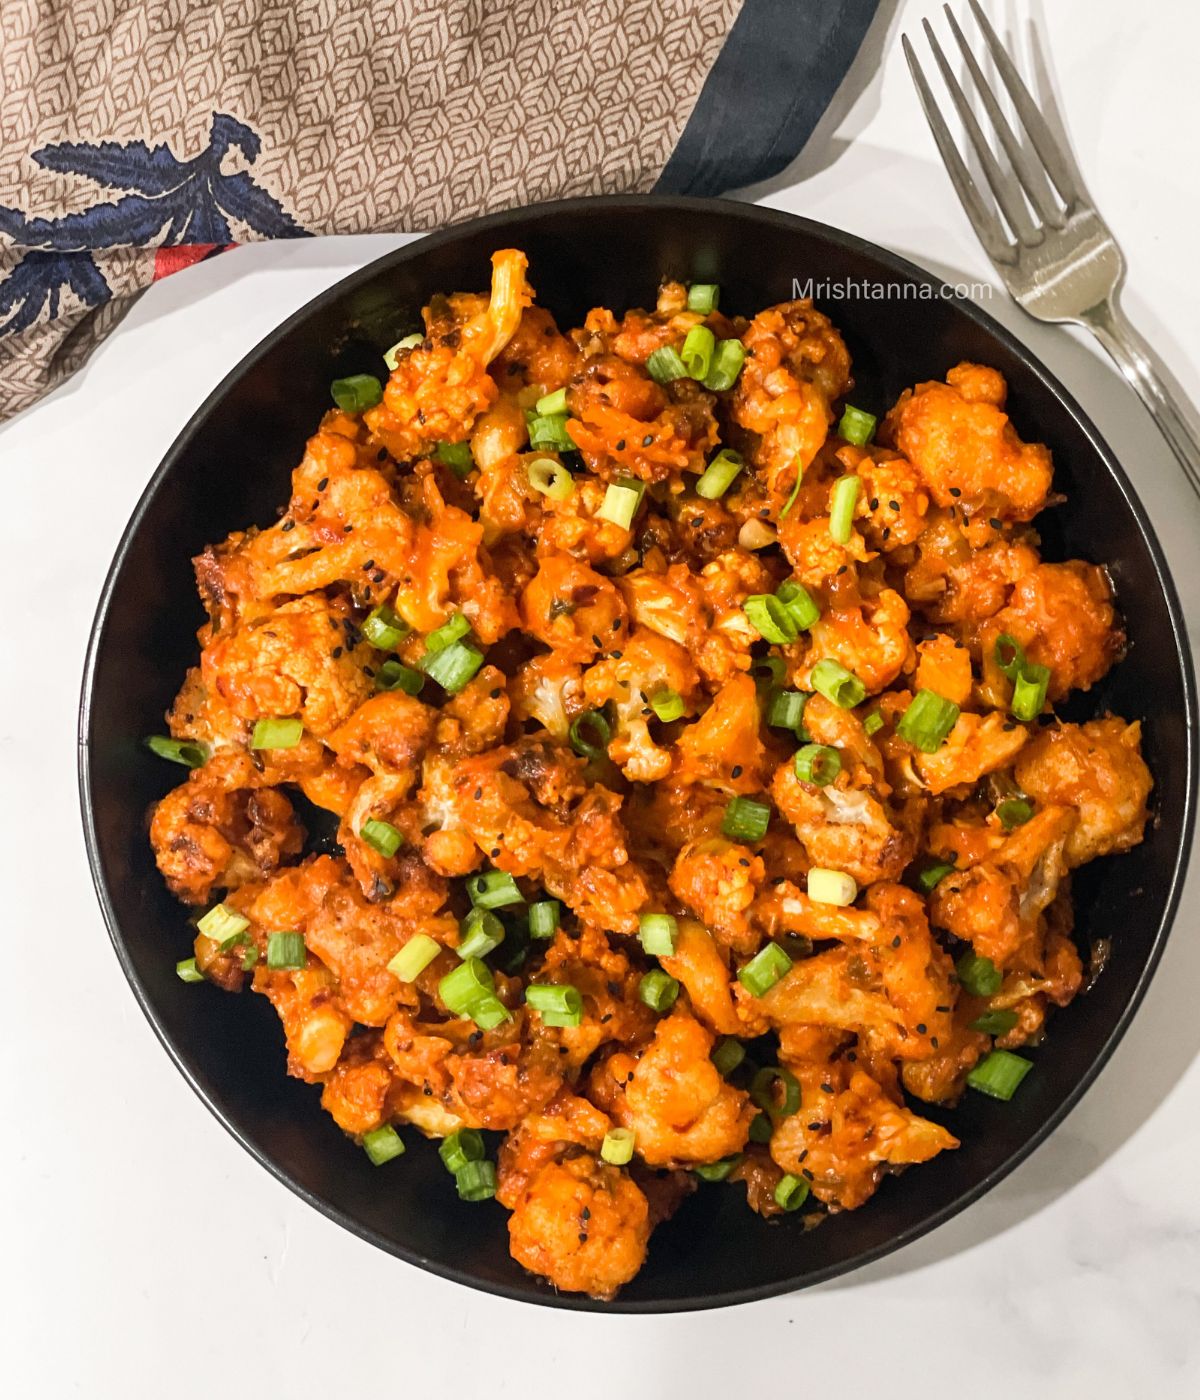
(463, 989)
(543, 918)
(462, 1146)
(786, 710)
(249, 957)
(745, 820)
(557, 1005)
(479, 934)
(589, 734)
(771, 618)
(791, 500)
(548, 432)
(656, 933)
(476, 1181)
(717, 1171)
(931, 876)
(190, 752)
(494, 889)
(703, 297)
(719, 474)
(727, 1055)
(550, 478)
(667, 704)
(381, 836)
(818, 764)
(395, 675)
(1029, 691)
(1009, 655)
(999, 1074)
(768, 670)
(873, 723)
(727, 361)
(414, 957)
(620, 503)
(222, 922)
(658, 990)
(763, 1092)
(551, 404)
(697, 352)
(285, 950)
(276, 733)
(831, 887)
(791, 1192)
(456, 456)
(187, 971)
(856, 426)
(927, 721)
(617, 1147)
(356, 392)
(489, 1012)
(799, 602)
(391, 357)
(452, 630)
(1014, 812)
(384, 629)
(382, 1144)
(453, 667)
(760, 1128)
(979, 976)
(843, 688)
(664, 366)
(995, 1022)
(764, 969)
(841, 510)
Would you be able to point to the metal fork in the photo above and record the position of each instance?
(1055, 253)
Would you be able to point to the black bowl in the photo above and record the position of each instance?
(230, 466)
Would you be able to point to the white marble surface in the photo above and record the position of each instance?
(119, 1273)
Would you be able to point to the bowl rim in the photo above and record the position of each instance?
(886, 260)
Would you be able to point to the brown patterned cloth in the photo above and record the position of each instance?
(137, 136)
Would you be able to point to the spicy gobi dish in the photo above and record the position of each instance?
(702, 807)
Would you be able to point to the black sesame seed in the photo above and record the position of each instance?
(894, 505)
(621, 445)
(323, 483)
(494, 695)
(873, 503)
(736, 770)
(896, 941)
(648, 439)
(288, 525)
(921, 1028)
(336, 652)
(954, 491)
(994, 523)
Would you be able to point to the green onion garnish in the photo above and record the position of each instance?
(190, 752)
(995, 1022)
(873, 723)
(791, 1192)
(384, 629)
(550, 478)
(464, 988)
(621, 501)
(414, 957)
(548, 432)
(242, 940)
(617, 1147)
(382, 1144)
(764, 969)
(834, 887)
(453, 667)
(452, 630)
(717, 1171)
(543, 918)
(799, 602)
(818, 764)
(476, 1181)
(841, 510)
(703, 297)
(456, 456)
(479, 934)
(745, 820)
(589, 734)
(697, 352)
(719, 474)
(785, 710)
(979, 976)
(843, 688)
(276, 733)
(395, 675)
(999, 1074)
(760, 1128)
(494, 889)
(557, 1005)
(791, 500)
(1029, 691)
(1009, 655)
(856, 426)
(391, 357)
(727, 361)
(658, 990)
(771, 618)
(356, 392)
(667, 704)
(187, 971)
(381, 836)
(664, 366)
(928, 721)
(462, 1146)
(222, 922)
(285, 950)
(656, 933)
(550, 404)
(768, 670)
(931, 876)
(781, 1103)
(727, 1055)
(1014, 812)
(489, 1012)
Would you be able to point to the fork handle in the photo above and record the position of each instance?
(1164, 398)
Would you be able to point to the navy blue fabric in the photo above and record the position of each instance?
(770, 85)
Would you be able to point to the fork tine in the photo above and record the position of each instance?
(1044, 141)
(1032, 177)
(983, 219)
(1004, 187)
